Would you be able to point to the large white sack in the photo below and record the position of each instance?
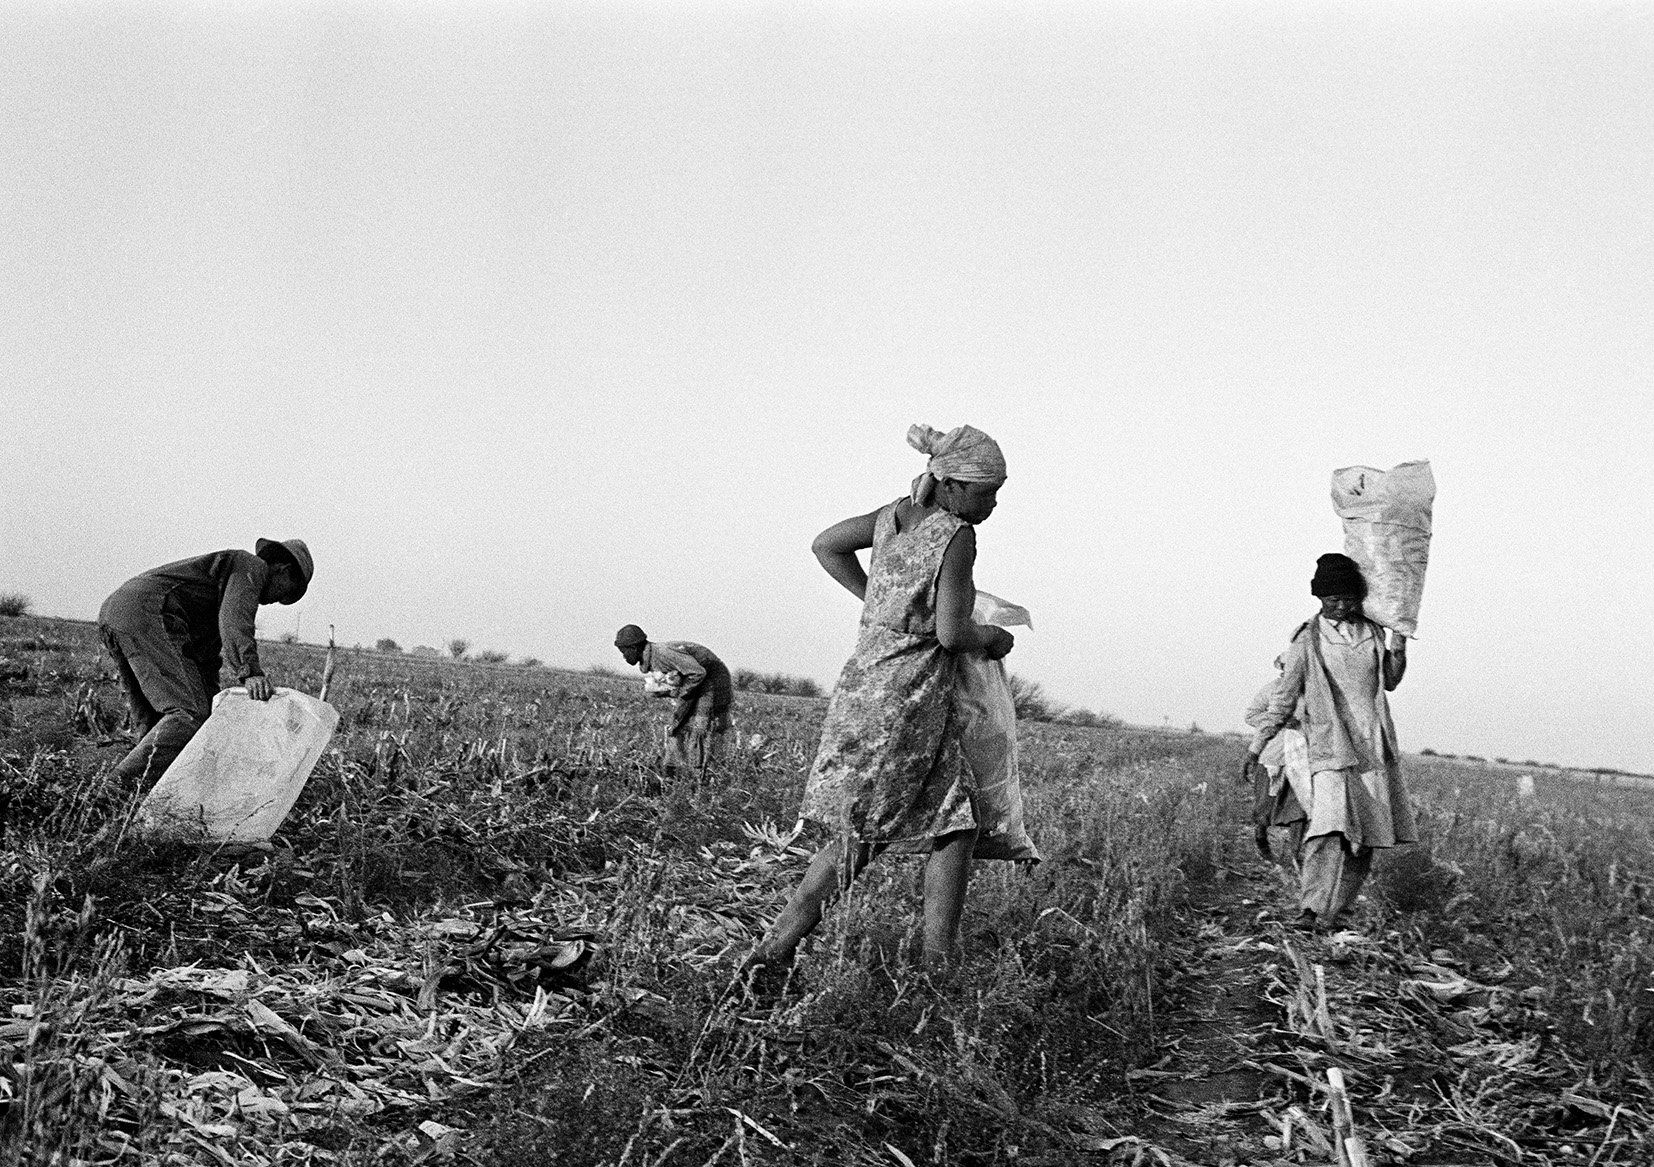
(241, 773)
(988, 732)
(1386, 518)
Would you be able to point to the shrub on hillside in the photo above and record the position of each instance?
(491, 656)
(386, 644)
(530, 662)
(458, 647)
(14, 604)
(1031, 701)
(1090, 720)
(749, 680)
(1034, 704)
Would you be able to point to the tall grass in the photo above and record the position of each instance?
(1561, 884)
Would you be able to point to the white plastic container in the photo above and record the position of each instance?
(242, 772)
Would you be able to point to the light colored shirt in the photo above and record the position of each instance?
(1257, 712)
(1353, 730)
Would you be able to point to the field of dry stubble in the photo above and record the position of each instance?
(491, 932)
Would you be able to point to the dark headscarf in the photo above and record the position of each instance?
(1337, 575)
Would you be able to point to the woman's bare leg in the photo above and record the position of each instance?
(947, 872)
(825, 878)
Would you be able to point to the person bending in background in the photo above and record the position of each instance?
(1339, 668)
(891, 769)
(169, 629)
(1281, 780)
(703, 689)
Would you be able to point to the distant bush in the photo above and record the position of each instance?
(1034, 704)
(288, 638)
(1194, 727)
(1474, 758)
(530, 662)
(491, 656)
(1031, 701)
(1088, 719)
(1427, 752)
(386, 644)
(14, 604)
(750, 681)
(458, 647)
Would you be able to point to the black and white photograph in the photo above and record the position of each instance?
(716, 583)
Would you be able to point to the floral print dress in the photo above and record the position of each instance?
(890, 768)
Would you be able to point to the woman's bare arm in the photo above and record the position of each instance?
(956, 601)
(836, 549)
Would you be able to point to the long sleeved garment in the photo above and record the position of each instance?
(705, 692)
(1257, 713)
(166, 630)
(1357, 799)
(1285, 759)
(215, 597)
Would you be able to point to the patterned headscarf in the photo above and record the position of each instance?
(963, 454)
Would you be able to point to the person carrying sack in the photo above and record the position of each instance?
(1339, 666)
(169, 630)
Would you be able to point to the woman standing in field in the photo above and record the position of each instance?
(1339, 668)
(890, 769)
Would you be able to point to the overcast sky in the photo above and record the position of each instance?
(538, 319)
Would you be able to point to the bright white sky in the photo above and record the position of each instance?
(536, 319)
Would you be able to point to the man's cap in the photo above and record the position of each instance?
(298, 553)
(629, 635)
(1337, 575)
